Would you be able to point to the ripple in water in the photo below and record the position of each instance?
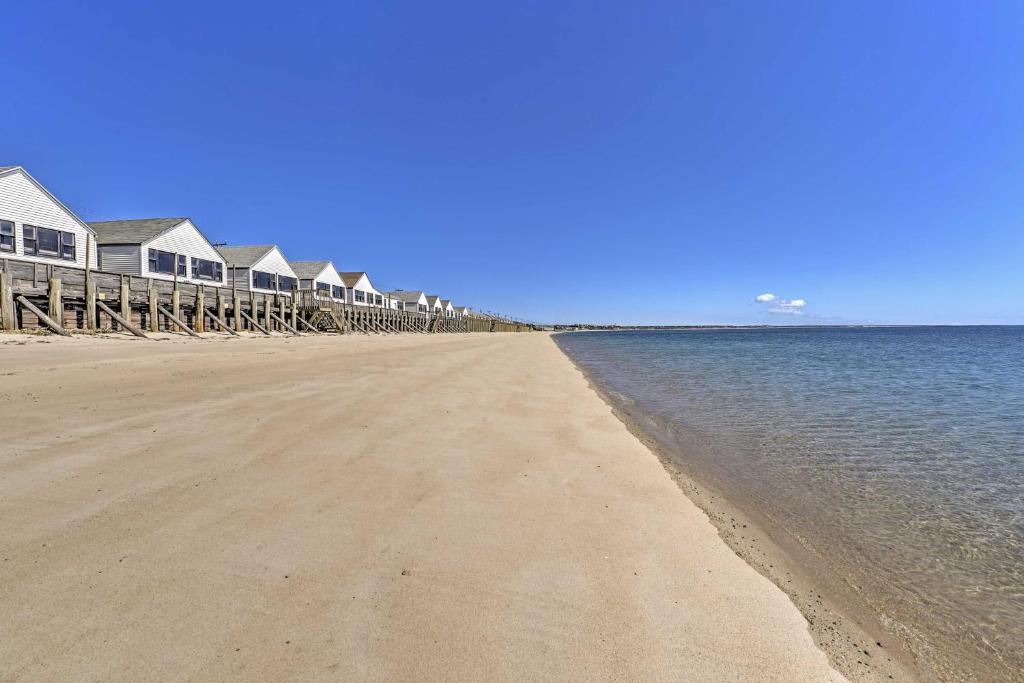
(899, 452)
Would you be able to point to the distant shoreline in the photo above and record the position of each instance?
(655, 328)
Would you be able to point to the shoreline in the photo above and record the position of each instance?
(842, 625)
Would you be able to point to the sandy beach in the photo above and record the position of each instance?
(410, 507)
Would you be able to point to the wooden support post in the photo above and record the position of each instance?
(56, 304)
(175, 302)
(308, 326)
(90, 304)
(177, 321)
(282, 313)
(295, 313)
(282, 323)
(126, 302)
(237, 303)
(7, 316)
(154, 302)
(253, 322)
(219, 320)
(90, 287)
(43, 318)
(121, 320)
(221, 308)
(200, 324)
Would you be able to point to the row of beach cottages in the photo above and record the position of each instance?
(36, 226)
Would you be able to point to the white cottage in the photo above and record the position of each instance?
(359, 291)
(434, 304)
(36, 226)
(160, 248)
(411, 302)
(320, 277)
(447, 308)
(461, 312)
(262, 269)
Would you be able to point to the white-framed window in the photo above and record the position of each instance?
(6, 235)
(166, 262)
(359, 295)
(207, 270)
(46, 242)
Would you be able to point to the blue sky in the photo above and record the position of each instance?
(608, 162)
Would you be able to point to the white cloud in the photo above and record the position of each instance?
(781, 306)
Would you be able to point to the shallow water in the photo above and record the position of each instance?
(896, 452)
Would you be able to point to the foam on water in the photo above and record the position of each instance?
(897, 452)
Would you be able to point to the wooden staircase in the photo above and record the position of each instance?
(324, 320)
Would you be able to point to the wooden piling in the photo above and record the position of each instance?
(200, 306)
(56, 303)
(154, 301)
(121, 320)
(177, 321)
(43, 318)
(90, 304)
(8, 319)
(125, 299)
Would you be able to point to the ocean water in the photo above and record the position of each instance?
(897, 453)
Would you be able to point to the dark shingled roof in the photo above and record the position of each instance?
(243, 257)
(403, 295)
(308, 269)
(134, 231)
(6, 168)
(350, 279)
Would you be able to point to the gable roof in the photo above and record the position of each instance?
(433, 299)
(403, 295)
(134, 231)
(4, 170)
(308, 270)
(350, 279)
(244, 256)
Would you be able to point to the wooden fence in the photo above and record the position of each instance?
(60, 298)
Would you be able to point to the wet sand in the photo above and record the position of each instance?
(411, 507)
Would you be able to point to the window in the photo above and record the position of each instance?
(261, 280)
(360, 295)
(207, 270)
(286, 283)
(422, 308)
(378, 299)
(6, 236)
(164, 262)
(338, 292)
(323, 287)
(46, 242)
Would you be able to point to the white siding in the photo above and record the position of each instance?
(274, 262)
(119, 258)
(182, 239)
(330, 276)
(363, 285)
(21, 201)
